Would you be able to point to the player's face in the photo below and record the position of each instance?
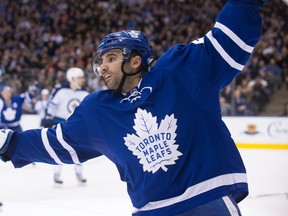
(7, 94)
(110, 68)
(77, 82)
(80, 81)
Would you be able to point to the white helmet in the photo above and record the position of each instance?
(45, 92)
(74, 72)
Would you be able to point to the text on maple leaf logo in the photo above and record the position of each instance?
(154, 146)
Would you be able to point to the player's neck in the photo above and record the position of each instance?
(75, 87)
(130, 83)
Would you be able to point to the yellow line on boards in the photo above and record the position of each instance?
(262, 146)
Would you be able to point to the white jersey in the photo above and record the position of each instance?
(40, 108)
(63, 102)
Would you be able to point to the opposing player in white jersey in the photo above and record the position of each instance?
(160, 125)
(41, 106)
(62, 103)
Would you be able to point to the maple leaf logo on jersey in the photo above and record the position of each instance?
(134, 34)
(154, 146)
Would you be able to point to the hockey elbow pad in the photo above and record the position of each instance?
(5, 137)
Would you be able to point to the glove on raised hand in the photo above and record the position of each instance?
(5, 137)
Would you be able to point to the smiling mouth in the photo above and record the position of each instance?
(106, 77)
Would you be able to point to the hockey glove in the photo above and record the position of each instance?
(5, 137)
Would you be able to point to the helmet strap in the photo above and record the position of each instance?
(125, 75)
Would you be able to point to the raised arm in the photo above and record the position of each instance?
(233, 38)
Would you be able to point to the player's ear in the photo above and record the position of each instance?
(136, 61)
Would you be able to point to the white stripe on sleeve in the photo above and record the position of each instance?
(234, 37)
(48, 147)
(223, 53)
(65, 145)
(230, 206)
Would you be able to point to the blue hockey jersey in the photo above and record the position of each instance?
(11, 113)
(166, 136)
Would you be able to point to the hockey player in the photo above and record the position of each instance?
(12, 106)
(161, 126)
(41, 106)
(62, 103)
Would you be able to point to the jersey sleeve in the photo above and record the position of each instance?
(206, 65)
(232, 40)
(219, 56)
(59, 145)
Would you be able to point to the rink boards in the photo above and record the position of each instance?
(259, 132)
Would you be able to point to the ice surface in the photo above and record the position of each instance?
(31, 190)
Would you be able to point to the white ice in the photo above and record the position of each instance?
(31, 190)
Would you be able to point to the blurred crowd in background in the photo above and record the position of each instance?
(40, 40)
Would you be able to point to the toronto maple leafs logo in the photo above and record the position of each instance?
(154, 146)
(9, 114)
(134, 34)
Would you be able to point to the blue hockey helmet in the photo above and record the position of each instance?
(126, 41)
